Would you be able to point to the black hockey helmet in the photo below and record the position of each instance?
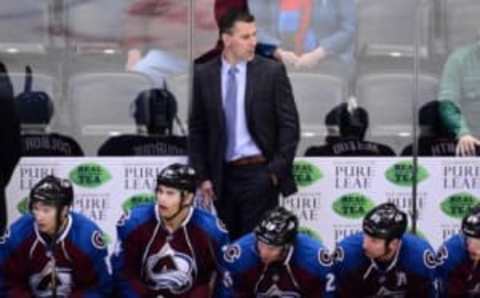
(178, 176)
(278, 227)
(385, 221)
(471, 223)
(53, 191)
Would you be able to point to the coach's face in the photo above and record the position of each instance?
(241, 41)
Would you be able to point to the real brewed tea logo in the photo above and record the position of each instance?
(306, 173)
(459, 204)
(22, 206)
(401, 173)
(353, 205)
(136, 200)
(90, 175)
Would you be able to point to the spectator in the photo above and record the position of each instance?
(459, 97)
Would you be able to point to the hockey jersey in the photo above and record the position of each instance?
(78, 265)
(459, 276)
(305, 272)
(149, 261)
(411, 274)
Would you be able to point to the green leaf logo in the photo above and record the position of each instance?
(22, 206)
(401, 173)
(353, 205)
(138, 199)
(306, 173)
(90, 175)
(459, 204)
(310, 232)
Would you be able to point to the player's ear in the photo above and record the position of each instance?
(188, 200)
(64, 211)
(394, 244)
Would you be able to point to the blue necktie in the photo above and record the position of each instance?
(231, 111)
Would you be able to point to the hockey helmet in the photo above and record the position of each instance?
(278, 227)
(53, 191)
(385, 221)
(471, 223)
(178, 176)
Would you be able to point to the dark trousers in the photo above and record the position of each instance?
(248, 192)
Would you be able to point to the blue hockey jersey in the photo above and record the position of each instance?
(149, 261)
(79, 261)
(410, 274)
(305, 272)
(459, 276)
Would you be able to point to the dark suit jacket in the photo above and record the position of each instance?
(272, 120)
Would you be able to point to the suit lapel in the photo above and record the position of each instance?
(216, 94)
(250, 86)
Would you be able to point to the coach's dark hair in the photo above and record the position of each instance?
(228, 20)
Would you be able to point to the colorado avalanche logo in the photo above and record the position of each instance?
(231, 253)
(97, 240)
(170, 270)
(324, 258)
(41, 283)
(429, 259)
(274, 292)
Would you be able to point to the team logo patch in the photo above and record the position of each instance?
(232, 253)
(221, 226)
(429, 259)
(98, 240)
(338, 254)
(5, 236)
(123, 219)
(442, 255)
(324, 258)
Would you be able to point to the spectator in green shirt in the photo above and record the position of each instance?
(460, 98)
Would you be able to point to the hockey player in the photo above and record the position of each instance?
(383, 261)
(169, 249)
(277, 261)
(53, 252)
(458, 259)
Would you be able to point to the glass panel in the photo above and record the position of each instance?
(449, 124)
(93, 59)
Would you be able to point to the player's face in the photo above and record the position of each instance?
(473, 248)
(373, 247)
(169, 200)
(46, 217)
(241, 41)
(269, 253)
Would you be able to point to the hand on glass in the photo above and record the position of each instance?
(466, 145)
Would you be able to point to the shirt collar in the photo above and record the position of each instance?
(241, 66)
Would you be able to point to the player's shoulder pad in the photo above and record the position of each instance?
(451, 253)
(241, 255)
(210, 225)
(417, 255)
(21, 229)
(311, 255)
(348, 253)
(87, 234)
(131, 219)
